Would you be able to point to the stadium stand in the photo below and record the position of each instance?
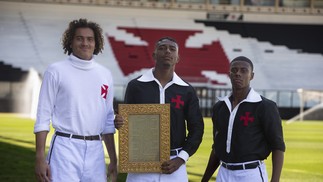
(208, 57)
(31, 32)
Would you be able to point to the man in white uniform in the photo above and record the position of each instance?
(77, 98)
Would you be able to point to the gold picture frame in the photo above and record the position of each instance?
(144, 139)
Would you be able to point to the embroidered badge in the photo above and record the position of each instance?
(104, 91)
(246, 119)
(178, 101)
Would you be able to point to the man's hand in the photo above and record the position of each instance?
(172, 165)
(118, 121)
(42, 170)
(112, 172)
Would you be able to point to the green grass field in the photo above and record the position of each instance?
(303, 157)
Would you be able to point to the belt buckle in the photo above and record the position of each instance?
(231, 166)
(224, 165)
(174, 151)
(177, 151)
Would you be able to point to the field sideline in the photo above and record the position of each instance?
(303, 157)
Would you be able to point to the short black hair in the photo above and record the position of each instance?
(243, 58)
(165, 38)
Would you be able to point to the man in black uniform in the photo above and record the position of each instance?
(246, 129)
(162, 85)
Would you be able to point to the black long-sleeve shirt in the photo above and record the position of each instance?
(248, 132)
(184, 103)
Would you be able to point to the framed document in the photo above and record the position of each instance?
(144, 139)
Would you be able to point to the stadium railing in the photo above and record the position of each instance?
(311, 7)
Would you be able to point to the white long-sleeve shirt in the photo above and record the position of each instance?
(77, 97)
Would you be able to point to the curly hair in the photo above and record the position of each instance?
(82, 23)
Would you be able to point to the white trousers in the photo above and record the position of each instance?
(258, 174)
(76, 160)
(180, 175)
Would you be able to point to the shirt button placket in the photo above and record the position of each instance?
(230, 128)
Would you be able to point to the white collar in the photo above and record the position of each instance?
(149, 76)
(252, 96)
(80, 63)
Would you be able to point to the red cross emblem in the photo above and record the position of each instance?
(178, 101)
(246, 119)
(104, 91)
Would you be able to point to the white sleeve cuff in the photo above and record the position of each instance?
(183, 155)
(109, 131)
(41, 127)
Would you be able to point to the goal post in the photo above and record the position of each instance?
(306, 96)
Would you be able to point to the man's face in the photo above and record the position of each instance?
(166, 54)
(240, 74)
(83, 43)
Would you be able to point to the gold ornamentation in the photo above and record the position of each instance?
(138, 140)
